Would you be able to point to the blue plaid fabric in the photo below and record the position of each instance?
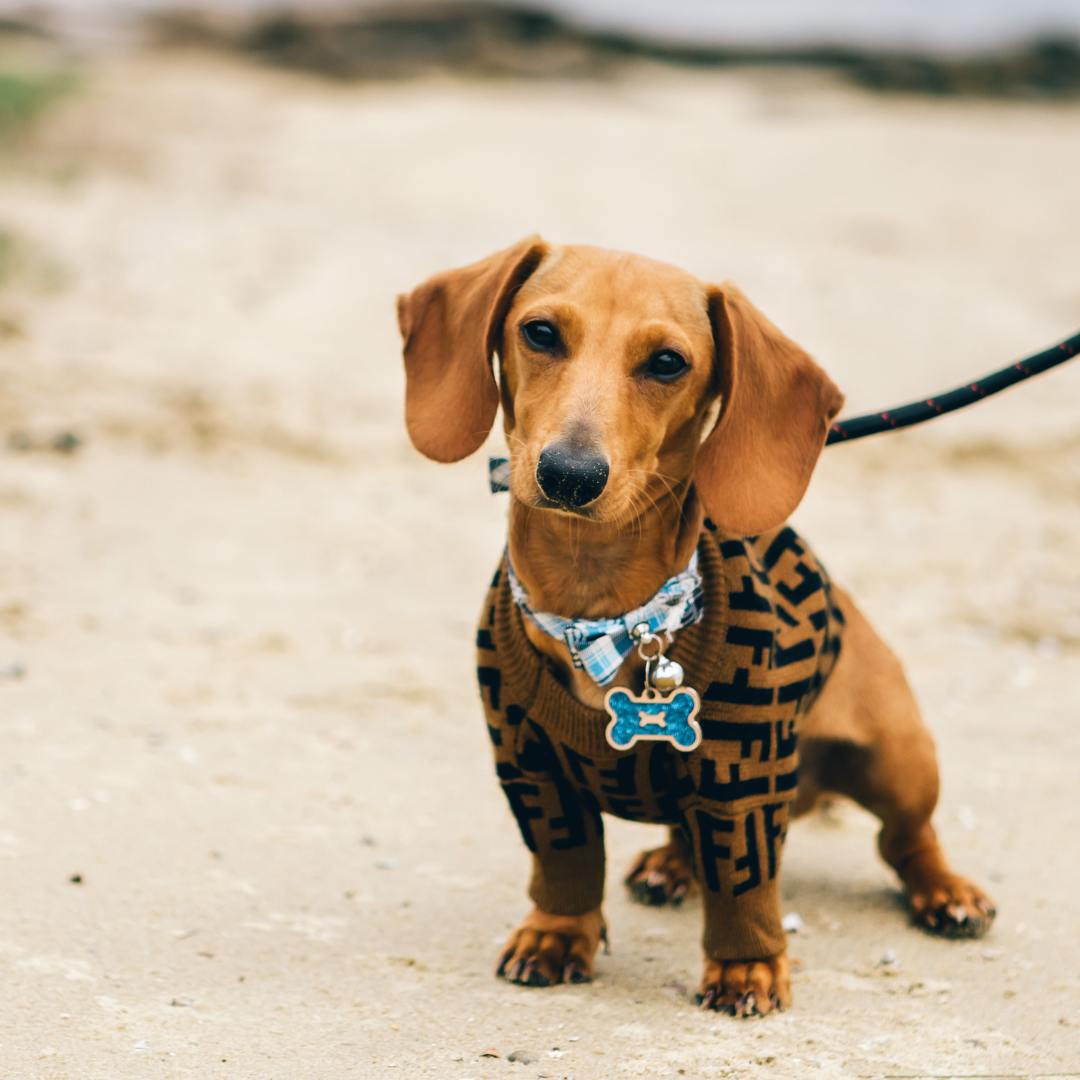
(599, 646)
(498, 474)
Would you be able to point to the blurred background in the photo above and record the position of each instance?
(248, 823)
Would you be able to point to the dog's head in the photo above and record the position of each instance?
(620, 378)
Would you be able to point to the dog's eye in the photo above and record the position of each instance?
(541, 335)
(666, 366)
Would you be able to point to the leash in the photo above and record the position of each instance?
(918, 412)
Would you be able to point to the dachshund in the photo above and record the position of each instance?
(662, 430)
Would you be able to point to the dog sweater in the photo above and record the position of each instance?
(769, 639)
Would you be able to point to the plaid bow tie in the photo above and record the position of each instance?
(599, 646)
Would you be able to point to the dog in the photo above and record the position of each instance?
(661, 431)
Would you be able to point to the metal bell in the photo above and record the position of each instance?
(667, 675)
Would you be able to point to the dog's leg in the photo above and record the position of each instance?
(737, 856)
(865, 738)
(547, 949)
(557, 941)
(744, 987)
(663, 875)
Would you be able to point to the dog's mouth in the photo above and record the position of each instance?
(590, 511)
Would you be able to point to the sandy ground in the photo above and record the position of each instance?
(236, 689)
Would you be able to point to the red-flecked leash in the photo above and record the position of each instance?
(858, 427)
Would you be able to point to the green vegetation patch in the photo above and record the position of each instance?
(23, 97)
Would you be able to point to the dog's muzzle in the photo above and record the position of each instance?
(571, 476)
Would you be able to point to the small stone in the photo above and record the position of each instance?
(386, 864)
(875, 1042)
(556, 1053)
(525, 1057)
(66, 442)
(890, 961)
(792, 923)
(141, 1045)
(490, 1052)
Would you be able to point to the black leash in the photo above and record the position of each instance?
(917, 412)
(858, 427)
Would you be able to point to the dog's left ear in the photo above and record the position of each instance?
(777, 404)
(450, 326)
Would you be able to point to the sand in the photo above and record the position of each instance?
(236, 688)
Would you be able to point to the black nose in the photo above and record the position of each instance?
(571, 476)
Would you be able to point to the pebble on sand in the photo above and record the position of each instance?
(526, 1057)
(889, 962)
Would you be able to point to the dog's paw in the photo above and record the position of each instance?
(746, 987)
(952, 907)
(661, 876)
(548, 949)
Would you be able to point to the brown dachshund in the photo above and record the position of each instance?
(650, 416)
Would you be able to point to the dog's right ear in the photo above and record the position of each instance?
(451, 327)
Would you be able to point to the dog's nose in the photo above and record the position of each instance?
(571, 476)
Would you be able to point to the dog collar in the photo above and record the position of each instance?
(599, 646)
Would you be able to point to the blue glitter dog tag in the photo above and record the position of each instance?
(653, 715)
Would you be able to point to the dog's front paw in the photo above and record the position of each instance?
(952, 906)
(547, 949)
(746, 987)
(661, 875)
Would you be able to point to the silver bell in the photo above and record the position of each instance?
(667, 675)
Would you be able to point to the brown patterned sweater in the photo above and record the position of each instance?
(769, 639)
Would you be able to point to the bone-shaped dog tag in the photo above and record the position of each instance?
(653, 715)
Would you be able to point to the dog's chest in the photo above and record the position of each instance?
(758, 660)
